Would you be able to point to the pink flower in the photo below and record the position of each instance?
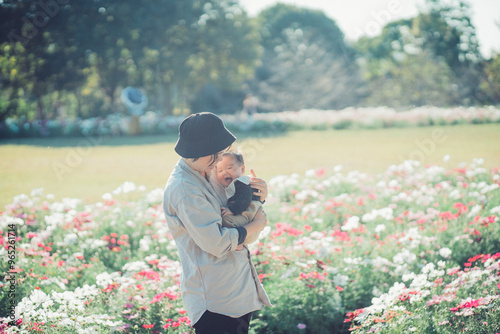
(339, 288)
(320, 172)
(301, 326)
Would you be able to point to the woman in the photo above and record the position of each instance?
(219, 284)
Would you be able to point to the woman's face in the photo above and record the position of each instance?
(206, 165)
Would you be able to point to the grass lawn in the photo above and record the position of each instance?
(88, 168)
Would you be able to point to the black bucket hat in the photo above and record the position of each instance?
(201, 135)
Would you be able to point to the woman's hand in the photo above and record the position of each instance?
(260, 186)
(225, 212)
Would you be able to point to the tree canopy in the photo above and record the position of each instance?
(61, 58)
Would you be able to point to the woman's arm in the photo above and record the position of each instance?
(258, 223)
(204, 225)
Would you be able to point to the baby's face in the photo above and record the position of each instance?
(229, 169)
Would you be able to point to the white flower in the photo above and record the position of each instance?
(38, 192)
(86, 291)
(23, 199)
(135, 266)
(316, 235)
(455, 194)
(376, 291)
(477, 162)
(445, 252)
(305, 194)
(105, 279)
(386, 300)
(310, 173)
(474, 211)
(151, 257)
(351, 223)
(144, 243)
(155, 196)
(420, 281)
(412, 238)
(380, 228)
(107, 197)
(340, 280)
(404, 257)
(446, 158)
(70, 238)
(265, 232)
(407, 277)
(125, 188)
(8, 220)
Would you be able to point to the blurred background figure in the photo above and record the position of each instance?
(136, 101)
(250, 105)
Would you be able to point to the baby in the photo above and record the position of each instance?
(242, 204)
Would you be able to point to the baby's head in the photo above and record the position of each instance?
(230, 167)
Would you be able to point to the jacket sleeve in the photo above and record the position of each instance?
(241, 199)
(204, 225)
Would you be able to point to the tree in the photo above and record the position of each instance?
(37, 59)
(183, 45)
(430, 59)
(400, 72)
(490, 86)
(306, 63)
(449, 34)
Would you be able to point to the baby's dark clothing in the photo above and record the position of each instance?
(243, 205)
(243, 196)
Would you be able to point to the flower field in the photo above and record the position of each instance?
(415, 249)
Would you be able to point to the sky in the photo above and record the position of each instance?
(367, 17)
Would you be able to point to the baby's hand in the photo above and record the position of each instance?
(225, 212)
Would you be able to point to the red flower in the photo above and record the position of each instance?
(352, 315)
(471, 304)
(148, 326)
(475, 258)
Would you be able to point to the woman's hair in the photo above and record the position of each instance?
(215, 156)
(235, 154)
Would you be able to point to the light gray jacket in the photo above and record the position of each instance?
(215, 276)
